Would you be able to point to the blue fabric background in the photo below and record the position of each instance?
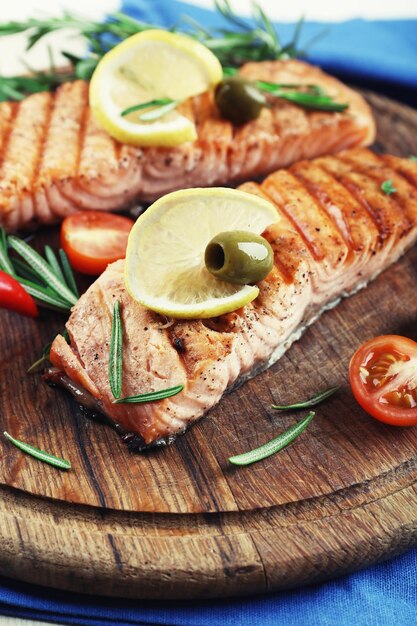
(380, 55)
(377, 54)
(384, 595)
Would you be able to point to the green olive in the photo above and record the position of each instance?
(239, 256)
(239, 100)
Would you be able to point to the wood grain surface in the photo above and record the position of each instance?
(180, 521)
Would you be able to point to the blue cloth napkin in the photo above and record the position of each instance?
(380, 596)
(380, 55)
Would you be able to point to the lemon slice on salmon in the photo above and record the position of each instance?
(154, 65)
(165, 269)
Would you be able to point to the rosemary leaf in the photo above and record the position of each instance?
(316, 399)
(5, 262)
(43, 295)
(25, 271)
(146, 105)
(116, 352)
(68, 273)
(314, 98)
(152, 396)
(388, 188)
(41, 267)
(159, 112)
(229, 71)
(46, 457)
(273, 446)
(38, 363)
(53, 262)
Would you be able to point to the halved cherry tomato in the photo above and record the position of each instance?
(93, 239)
(15, 298)
(383, 377)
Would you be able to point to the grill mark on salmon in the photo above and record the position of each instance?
(211, 356)
(71, 163)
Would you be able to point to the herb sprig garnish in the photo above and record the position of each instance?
(116, 352)
(116, 368)
(160, 102)
(151, 396)
(306, 404)
(388, 188)
(273, 446)
(46, 457)
(306, 96)
(50, 281)
(237, 43)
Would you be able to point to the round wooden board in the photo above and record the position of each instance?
(180, 522)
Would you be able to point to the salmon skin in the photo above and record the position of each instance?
(335, 230)
(56, 160)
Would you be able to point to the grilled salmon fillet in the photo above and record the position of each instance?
(56, 160)
(335, 230)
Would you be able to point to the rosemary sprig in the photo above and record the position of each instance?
(146, 105)
(306, 96)
(53, 262)
(116, 352)
(273, 446)
(305, 404)
(52, 284)
(238, 42)
(388, 188)
(46, 457)
(151, 396)
(68, 273)
(116, 368)
(43, 269)
(159, 111)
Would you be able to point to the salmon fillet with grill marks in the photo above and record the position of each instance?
(335, 230)
(56, 160)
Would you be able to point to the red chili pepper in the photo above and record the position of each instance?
(15, 298)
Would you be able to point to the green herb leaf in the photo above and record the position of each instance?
(412, 157)
(305, 404)
(273, 446)
(53, 262)
(308, 96)
(152, 396)
(388, 188)
(43, 295)
(116, 352)
(5, 262)
(68, 273)
(42, 268)
(146, 105)
(229, 71)
(159, 112)
(39, 454)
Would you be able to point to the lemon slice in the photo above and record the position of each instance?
(151, 65)
(165, 269)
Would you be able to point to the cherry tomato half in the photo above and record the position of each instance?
(383, 377)
(15, 298)
(93, 239)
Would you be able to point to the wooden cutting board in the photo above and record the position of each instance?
(180, 522)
